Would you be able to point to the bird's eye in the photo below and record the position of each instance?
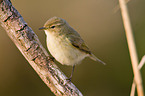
(52, 27)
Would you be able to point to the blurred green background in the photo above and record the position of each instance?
(99, 26)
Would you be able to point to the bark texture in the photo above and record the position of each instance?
(29, 45)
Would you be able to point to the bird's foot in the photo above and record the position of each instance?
(69, 79)
(51, 58)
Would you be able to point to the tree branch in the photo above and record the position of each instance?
(132, 47)
(29, 45)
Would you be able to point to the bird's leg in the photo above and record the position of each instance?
(69, 79)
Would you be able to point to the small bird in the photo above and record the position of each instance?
(65, 44)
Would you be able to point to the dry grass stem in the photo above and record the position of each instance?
(132, 47)
(142, 62)
(117, 7)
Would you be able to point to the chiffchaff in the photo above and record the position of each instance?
(65, 44)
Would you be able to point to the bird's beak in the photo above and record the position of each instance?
(42, 28)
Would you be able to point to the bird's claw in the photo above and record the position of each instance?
(69, 79)
(51, 58)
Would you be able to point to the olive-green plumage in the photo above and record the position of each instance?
(64, 43)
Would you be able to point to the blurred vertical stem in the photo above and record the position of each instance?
(132, 48)
(142, 62)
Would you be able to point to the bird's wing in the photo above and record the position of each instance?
(79, 43)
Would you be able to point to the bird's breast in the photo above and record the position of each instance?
(63, 51)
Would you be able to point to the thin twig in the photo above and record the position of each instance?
(31, 48)
(132, 48)
(142, 62)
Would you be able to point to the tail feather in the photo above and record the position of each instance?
(93, 57)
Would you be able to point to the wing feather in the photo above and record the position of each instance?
(79, 43)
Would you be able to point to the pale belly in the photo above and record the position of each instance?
(64, 52)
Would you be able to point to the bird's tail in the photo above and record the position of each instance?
(93, 57)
